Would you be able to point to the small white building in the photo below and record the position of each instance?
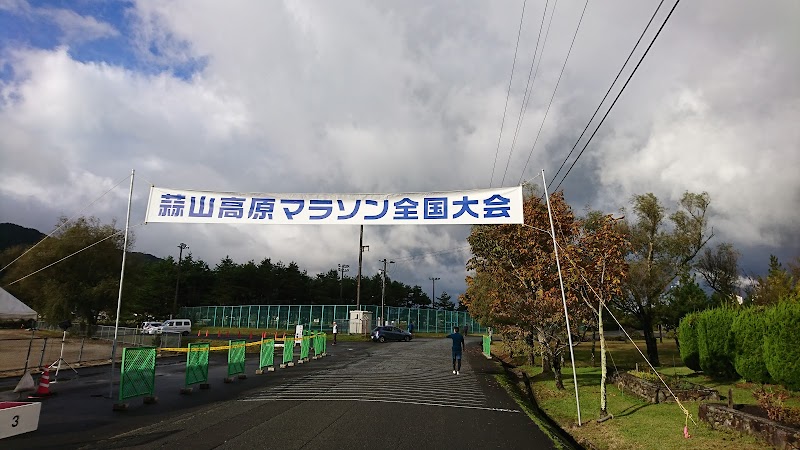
(360, 322)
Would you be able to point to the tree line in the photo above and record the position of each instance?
(84, 285)
(642, 265)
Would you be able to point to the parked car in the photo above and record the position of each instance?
(182, 326)
(383, 334)
(150, 327)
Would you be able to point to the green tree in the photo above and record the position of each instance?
(776, 286)
(82, 286)
(720, 268)
(658, 255)
(446, 301)
(684, 297)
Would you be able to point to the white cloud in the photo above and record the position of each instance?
(76, 28)
(397, 97)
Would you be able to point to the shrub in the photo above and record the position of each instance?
(715, 342)
(781, 349)
(748, 333)
(687, 337)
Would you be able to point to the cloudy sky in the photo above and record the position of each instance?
(379, 96)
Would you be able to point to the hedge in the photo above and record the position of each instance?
(748, 332)
(687, 338)
(782, 343)
(715, 342)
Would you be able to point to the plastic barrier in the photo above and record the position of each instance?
(288, 353)
(236, 359)
(266, 356)
(305, 345)
(196, 366)
(487, 346)
(138, 373)
(317, 345)
(324, 344)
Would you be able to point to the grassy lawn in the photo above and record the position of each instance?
(636, 423)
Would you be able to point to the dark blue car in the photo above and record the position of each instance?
(387, 333)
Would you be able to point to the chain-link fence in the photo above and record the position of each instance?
(321, 317)
(22, 350)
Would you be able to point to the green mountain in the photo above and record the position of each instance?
(12, 235)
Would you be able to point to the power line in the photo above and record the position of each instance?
(619, 94)
(508, 92)
(526, 94)
(64, 223)
(564, 66)
(609, 89)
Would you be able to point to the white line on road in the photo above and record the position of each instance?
(354, 399)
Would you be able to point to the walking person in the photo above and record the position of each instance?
(458, 347)
(335, 332)
(411, 327)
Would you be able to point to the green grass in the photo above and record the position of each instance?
(636, 423)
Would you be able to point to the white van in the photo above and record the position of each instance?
(182, 326)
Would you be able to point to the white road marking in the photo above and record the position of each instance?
(373, 400)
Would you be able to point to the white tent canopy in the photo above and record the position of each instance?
(13, 309)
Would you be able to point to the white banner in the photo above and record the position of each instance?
(485, 206)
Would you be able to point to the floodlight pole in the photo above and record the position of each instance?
(342, 269)
(563, 297)
(121, 278)
(181, 248)
(383, 291)
(433, 291)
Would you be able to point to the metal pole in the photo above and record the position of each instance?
(563, 297)
(181, 246)
(360, 258)
(433, 292)
(121, 278)
(30, 344)
(44, 347)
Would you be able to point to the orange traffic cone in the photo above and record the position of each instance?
(198, 333)
(206, 333)
(251, 335)
(219, 334)
(44, 385)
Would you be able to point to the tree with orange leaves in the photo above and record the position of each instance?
(516, 283)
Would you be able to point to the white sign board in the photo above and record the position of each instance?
(298, 334)
(484, 206)
(18, 417)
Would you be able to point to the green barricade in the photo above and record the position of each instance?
(487, 345)
(324, 343)
(138, 372)
(197, 363)
(236, 357)
(317, 344)
(267, 356)
(288, 350)
(305, 345)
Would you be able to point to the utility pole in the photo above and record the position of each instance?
(383, 291)
(181, 246)
(342, 269)
(361, 248)
(433, 298)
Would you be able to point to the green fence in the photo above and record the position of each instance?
(320, 317)
(487, 345)
(137, 373)
(267, 355)
(197, 363)
(288, 350)
(236, 357)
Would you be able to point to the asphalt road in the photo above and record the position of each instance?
(362, 395)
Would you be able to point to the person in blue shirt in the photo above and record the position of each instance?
(458, 346)
(411, 327)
